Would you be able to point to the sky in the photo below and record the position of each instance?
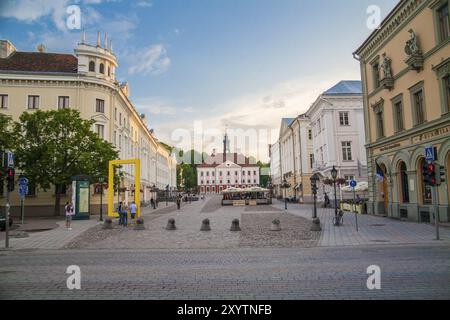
(215, 64)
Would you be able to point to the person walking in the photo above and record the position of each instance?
(119, 211)
(133, 210)
(178, 202)
(152, 202)
(69, 213)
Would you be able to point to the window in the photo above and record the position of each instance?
(379, 118)
(310, 134)
(100, 105)
(254, 173)
(235, 173)
(228, 173)
(443, 22)
(213, 174)
(447, 92)
(347, 151)
(397, 109)
(102, 68)
(404, 184)
(120, 118)
(343, 119)
(63, 102)
(376, 74)
(115, 137)
(115, 114)
(92, 66)
(99, 130)
(311, 160)
(418, 104)
(3, 101)
(220, 173)
(243, 173)
(349, 178)
(33, 102)
(207, 173)
(254, 181)
(249, 172)
(201, 174)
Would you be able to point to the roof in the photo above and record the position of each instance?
(40, 62)
(345, 87)
(288, 121)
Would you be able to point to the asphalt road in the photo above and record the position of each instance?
(407, 272)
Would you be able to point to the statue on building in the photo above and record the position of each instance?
(412, 46)
(386, 66)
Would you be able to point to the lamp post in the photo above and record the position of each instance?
(314, 180)
(285, 185)
(101, 197)
(334, 176)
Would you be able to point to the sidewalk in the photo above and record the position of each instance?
(371, 229)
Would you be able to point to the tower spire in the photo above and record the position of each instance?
(98, 38)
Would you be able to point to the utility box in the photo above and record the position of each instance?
(81, 197)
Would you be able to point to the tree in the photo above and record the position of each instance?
(264, 177)
(53, 146)
(7, 137)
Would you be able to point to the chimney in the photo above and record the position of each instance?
(6, 49)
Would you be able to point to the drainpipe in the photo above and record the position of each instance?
(293, 158)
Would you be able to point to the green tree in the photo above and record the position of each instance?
(53, 146)
(264, 178)
(7, 137)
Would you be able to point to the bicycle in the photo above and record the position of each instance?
(339, 219)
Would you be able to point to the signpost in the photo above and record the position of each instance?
(430, 157)
(353, 184)
(8, 163)
(23, 191)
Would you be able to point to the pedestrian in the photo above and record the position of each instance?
(152, 203)
(69, 213)
(133, 210)
(179, 202)
(120, 212)
(125, 215)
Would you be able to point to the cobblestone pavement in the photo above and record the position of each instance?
(407, 272)
(372, 229)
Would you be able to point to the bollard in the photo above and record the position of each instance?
(276, 225)
(316, 225)
(205, 225)
(235, 226)
(139, 224)
(107, 224)
(171, 225)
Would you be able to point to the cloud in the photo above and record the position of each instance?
(158, 106)
(144, 4)
(152, 60)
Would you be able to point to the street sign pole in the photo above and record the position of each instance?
(356, 211)
(7, 220)
(435, 210)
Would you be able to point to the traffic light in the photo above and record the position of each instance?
(440, 175)
(429, 174)
(10, 173)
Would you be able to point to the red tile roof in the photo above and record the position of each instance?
(40, 62)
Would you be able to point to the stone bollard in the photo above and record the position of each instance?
(205, 225)
(235, 226)
(276, 225)
(107, 224)
(316, 225)
(139, 224)
(171, 225)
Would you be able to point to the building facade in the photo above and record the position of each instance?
(86, 82)
(221, 171)
(405, 67)
(275, 169)
(337, 121)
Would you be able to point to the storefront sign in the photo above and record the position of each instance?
(431, 134)
(239, 203)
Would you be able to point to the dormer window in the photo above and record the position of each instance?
(92, 66)
(102, 68)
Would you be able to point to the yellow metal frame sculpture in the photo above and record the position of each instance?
(137, 185)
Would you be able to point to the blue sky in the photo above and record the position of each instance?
(240, 63)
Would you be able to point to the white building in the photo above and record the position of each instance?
(337, 121)
(221, 171)
(275, 168)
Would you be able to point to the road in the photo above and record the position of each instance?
(407, 272)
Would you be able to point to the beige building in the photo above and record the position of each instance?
(405, 67)
(295, 150)
(87, 82)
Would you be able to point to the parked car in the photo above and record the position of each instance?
(2, 223)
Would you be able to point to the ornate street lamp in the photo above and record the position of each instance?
(314, 180)
(334, 176)
(284, 186)
(101, 180)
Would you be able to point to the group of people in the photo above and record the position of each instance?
(123, 211)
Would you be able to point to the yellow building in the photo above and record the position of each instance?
(87, 82)
(405, 68)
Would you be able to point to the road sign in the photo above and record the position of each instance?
(10, 159)
(353, 184)
(429, 154)
(23, 181)
(23, 190)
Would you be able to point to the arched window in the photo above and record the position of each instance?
(92, 66)
(425, 191)
(404, 184)
(102, 68)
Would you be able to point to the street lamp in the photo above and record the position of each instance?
(334, 176)
(284, 186)
(314, 180)
(101, 197)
